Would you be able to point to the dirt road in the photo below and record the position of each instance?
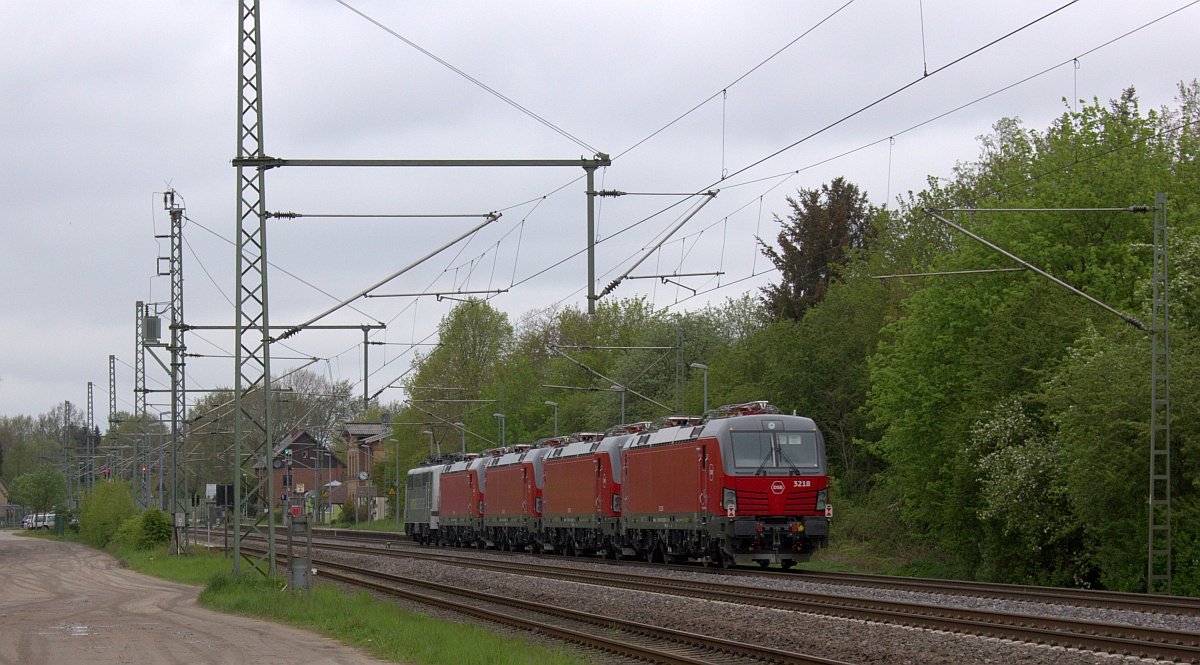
(62, 603)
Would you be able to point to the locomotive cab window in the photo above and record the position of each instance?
(794, 451)
(798, 449)
(751, 448)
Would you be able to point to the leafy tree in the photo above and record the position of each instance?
(146, 531)
(969, 344)
(103, 512)
(473, 346)
(42, 490)
(824, 228)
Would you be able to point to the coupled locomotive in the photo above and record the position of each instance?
(745, 484)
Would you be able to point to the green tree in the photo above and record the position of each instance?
(103, 512)
(969, 344)
(824, 228)
(41, 490)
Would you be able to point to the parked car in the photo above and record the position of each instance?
(38, 521)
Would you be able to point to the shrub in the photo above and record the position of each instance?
(156, 528)
(145, 531)
(346, 514)
(104, 510)
(127, 535)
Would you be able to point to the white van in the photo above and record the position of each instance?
(39, 521)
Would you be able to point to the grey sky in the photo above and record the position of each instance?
(102, 105)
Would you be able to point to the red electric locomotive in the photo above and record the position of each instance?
(748, 485)
(581, 493)
(461, 502)
(513, 509)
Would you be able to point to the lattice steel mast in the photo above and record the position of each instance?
(112, 406)
(90, 445)
(1158, 573)
(177, 348)
(141, 453)
(252, 357)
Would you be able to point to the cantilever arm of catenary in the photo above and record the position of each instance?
(292, 331)
(1124, 317)
(709, 195)
(629, 390)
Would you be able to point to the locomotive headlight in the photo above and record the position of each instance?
(729, 499)
(822, 498)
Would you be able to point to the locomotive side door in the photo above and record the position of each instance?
(525, 494)
(471, 493)
(600, 483)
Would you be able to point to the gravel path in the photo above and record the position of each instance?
(853, 641)
(68, 603)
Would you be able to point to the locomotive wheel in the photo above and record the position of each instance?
(787, 563)
(661, 555)
(764, 564)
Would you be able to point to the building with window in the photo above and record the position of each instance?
(364, 446)
(300, 464)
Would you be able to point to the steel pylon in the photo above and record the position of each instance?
(252, 357)
(1158, 573)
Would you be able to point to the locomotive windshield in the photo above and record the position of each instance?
(762, 450)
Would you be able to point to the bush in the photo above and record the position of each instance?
(103, 512)
(144, 532)
(157, 527)
(345, 514)
(126, 535)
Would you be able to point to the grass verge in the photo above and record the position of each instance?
(381, 628)
(377, 525)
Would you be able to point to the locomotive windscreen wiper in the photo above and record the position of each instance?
(784, 457)
(761, 470)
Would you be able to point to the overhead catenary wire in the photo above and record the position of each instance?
(295, 329)
(524, 280)
(280, 269)
(860, 110)
(726, 87)
(562, 132)
(901, 89)
(1050, 172)
(307, 215)
(925, 122)
(515, 266)
(703, 202)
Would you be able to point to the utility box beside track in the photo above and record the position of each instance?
(299, 553)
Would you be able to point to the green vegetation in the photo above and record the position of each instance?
(145, 531)
(986, 426)
(989, 426)
(377, 626)
(42, 490)
(375, 525)
(103, 512)
(197, 569)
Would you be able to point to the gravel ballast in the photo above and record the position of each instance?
(853, 641)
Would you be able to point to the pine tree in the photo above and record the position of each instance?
(824, 226)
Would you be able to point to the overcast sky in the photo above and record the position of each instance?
(105, 105)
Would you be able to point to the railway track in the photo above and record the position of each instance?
(1111, 600)
(1093, 636)
(613, 635)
